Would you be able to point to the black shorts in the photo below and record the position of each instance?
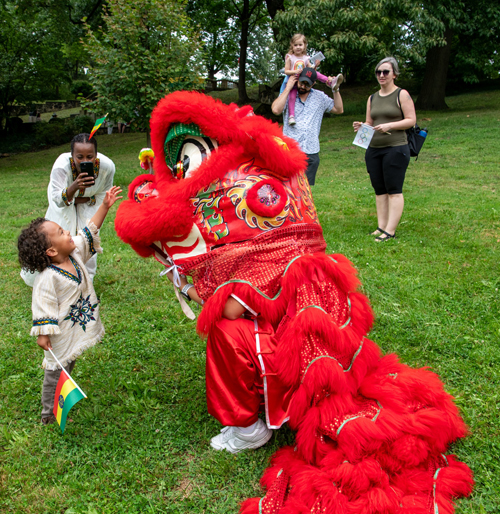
(387, 168)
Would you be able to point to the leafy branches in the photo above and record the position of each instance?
(353, 35)
(145, 53)
(219, 34)
(26, 54)
(346, 32)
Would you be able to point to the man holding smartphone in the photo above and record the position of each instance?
(78, 183)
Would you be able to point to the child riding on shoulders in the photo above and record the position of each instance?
(295, 61)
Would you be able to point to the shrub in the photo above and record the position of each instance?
(51, 134)
(81, 124)
(82, 87)
(61, 132)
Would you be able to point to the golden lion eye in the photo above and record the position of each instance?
(180, 168)
(193, 152)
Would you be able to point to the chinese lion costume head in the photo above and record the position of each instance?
(229, 205)
(228, 198)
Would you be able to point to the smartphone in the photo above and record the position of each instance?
(88, 168)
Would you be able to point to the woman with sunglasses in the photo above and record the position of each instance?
(390, 112)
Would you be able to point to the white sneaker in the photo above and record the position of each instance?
(336, 82)
(291, 120)
(234, 441)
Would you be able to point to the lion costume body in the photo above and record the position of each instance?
(230, 206)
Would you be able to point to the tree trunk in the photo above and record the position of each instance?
(433, 90)
(211, 78)
(273, 6)
(245, 21)
(4, 115)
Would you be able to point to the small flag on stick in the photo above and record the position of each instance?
(67, 395)
(98, 123)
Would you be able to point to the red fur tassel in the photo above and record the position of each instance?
(455, 480)
(411, 450)
(250, 506)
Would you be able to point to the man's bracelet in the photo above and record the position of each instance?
(184, 291)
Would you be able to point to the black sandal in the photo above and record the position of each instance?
(373, 233)
(388, 236)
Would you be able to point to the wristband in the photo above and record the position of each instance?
(184, 291)
(64, 196)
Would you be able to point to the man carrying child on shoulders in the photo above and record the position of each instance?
(310, 107)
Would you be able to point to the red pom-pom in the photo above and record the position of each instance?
(267, 198)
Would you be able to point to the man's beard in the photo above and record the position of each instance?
(303, 90)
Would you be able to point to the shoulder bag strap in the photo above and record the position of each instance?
(399, 104)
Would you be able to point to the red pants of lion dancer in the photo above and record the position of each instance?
(241, 376)
(371, 432)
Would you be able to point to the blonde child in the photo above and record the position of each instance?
(295, 61)
(64, 304)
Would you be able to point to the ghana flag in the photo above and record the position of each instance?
(98, 123)
(67, 394)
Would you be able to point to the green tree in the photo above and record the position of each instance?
(28, 57)
(264, 59)
(40, 48)
(273, 7)
(351, 34)
(146, 52)
(233, 32)
(219, 35)
(69, 20)
(461, 36)
(249, 14)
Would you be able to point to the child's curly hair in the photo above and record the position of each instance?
(32, 245)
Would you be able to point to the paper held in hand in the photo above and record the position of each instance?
(363, 136)
(318, 56)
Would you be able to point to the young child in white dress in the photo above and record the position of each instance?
(295, 61)
(64, 304)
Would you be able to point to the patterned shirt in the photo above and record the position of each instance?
(308, 115)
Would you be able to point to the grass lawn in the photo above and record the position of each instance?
(63, 113)
(139, 443)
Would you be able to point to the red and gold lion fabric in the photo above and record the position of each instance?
(230, 206)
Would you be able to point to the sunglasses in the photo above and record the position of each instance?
(383, 72)
(305, 85)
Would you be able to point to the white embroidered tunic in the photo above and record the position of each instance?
(65, 306)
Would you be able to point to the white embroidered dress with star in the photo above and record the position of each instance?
(65, 306)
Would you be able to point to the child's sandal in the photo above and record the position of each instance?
(339, 79)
